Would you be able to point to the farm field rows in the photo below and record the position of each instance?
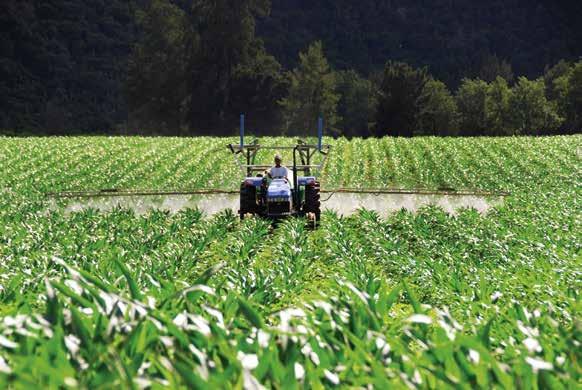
(39, 165)
(425, 300)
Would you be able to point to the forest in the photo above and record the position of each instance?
(371, 68)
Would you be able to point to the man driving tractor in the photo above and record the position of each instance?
(278, 171)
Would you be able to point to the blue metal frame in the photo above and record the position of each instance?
(319, 133)
(242, 131)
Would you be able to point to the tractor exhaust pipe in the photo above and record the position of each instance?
(242, 131)
(319, 133)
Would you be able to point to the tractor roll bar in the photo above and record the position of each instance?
(300, 167)
(259, 146)
(306, 152)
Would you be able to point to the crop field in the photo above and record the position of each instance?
(416, 300)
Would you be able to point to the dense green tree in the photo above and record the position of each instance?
(257, 86)
(62, 64)
(312, 93)
(573, 97)
(226, 31)
(563, 83)
(493, 67)
(398, 100)
(531, 112)
(157, 69)
(556, 79)
(471, 100)
(497, 108)
(449, 37)
(198, 65)
(437, 113)
(356, 105)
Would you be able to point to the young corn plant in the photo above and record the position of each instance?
(415, 300)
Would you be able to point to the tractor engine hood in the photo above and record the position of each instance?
(279, 191)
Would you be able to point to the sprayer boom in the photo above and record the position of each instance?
(299, 194)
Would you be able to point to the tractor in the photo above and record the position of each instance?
(276, 198)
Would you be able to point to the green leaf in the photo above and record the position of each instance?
(81, 329)
(133, 288)
(53, 308)
(79, 300)
(412, 297)
(386, 301)
(250, 313)
(211, 271)
(96, 281)
(485, 333)
(189, 376)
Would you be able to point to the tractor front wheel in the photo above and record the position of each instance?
(248, 201)
(313, 201)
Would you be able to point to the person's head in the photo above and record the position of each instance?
(278, 159)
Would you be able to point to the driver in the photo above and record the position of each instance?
(278, 171)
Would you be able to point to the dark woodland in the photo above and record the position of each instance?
(370, 68)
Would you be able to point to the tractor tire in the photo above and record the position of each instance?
(248, 201)
(313, 201)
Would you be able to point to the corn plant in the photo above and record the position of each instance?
(416, 300)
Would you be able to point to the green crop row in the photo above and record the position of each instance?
(415, 300)
(57, 164)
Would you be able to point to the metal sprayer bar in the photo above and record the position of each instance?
(376, 191)
(122, 193)
(417, 191)
(257, 146)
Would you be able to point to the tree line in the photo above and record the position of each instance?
(455, 38)
(198, 65)
(63, 64)
(192, 66)
(411, 102)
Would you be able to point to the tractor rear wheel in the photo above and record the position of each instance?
(248, 200)
(313, 201)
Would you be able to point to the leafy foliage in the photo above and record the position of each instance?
(312, 93)
(398, 100)
(197, 66)
(63, 64)
(498, 107)
(258, 85)
(530, 109)
(226, 41)
(574, 97)
(472, 103)
(454, 39)
(157, 96)
(437, 113)
(492, 67)
(356, 105)
(184, 67)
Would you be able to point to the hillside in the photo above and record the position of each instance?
(63, 64)
(451, 37)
